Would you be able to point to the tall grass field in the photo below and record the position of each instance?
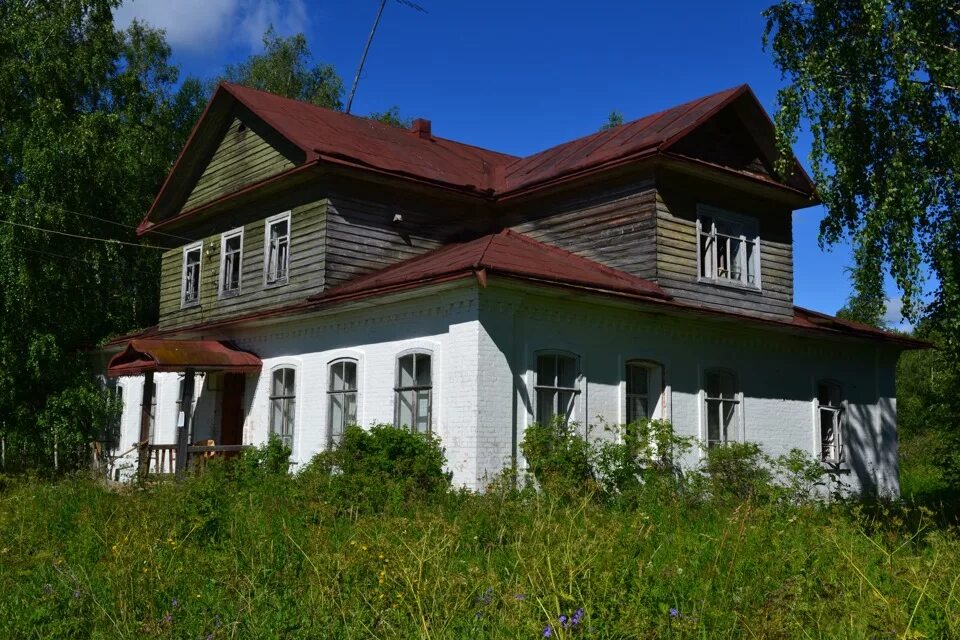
(375, 545)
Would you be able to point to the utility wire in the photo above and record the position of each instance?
(57, 255)
(82, 237)
(93, 217)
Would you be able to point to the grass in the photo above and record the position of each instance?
(276, 557)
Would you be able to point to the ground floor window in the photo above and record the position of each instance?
(414, 392)
(556, 386)
(283, 404)
(830, 420)
(341, 398)
(722, 406)
(643, 390)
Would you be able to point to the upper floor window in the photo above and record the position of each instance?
(729, 247)
(341, 398)
(190, 287)
(722, 406)
(556, 386)
(643, 390)
(231, 257)
(830, 420)
(276, 249)
(283, 404)
(414, 392)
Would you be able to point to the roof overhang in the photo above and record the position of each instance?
(155, 355)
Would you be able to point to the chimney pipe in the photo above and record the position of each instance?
(421, 127)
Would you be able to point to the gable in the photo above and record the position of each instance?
(724, 140)
(242, 157)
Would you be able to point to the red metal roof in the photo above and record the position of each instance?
(508, 253)
(141, 356)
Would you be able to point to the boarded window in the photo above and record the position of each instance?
(283, 404)
(414, 392)
(556, 386)
(192, 257)
(722, 406)
(341, 398)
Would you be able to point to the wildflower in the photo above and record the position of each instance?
(519, 596)
(76, 593)
(674, 613)
(168, 618)
(563, 621)
(174, 603)
(548, 631)
(577, 617)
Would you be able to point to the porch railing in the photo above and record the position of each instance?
(162, 459)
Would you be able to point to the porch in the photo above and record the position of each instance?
(223, 368)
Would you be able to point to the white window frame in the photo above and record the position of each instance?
(280, 217)
(737, 401)
(554, 386)
(839, 412)
(342, 393)
(296, 405)
(190, 248)
(224, 237)
(398, 390)
(656, 393)
(736, 218)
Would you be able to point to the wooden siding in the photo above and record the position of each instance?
(362, 236)
(306, 271)
(676, 260)
(243, 157)
(614, 226)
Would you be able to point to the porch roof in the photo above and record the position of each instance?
(142, 356)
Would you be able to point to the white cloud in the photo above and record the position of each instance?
(893, 314)
(197, 26)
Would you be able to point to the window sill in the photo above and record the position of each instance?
(189, 305)
(228, 294)
(835, 467)
(275, 284)
(747, 288)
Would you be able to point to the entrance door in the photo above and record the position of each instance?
(231, 425)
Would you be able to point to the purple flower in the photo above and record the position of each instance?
(174, 603)
(563, 621)
(548, 631)
(168, 618)
(674, 613)
(577, 617)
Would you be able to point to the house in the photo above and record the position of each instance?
(323, 270)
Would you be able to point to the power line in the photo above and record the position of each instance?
(82, 237)
(93, 217)
(57, 255)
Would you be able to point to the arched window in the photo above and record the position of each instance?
(722, 400)
(556, 385)
(341, 398)
(643, 390)
(283, 403)
(830, 420)
(414, 392)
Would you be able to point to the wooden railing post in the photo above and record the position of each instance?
(183, 425)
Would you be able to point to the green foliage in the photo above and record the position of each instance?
(737, 469)
(560, 458)
(223, 555)
(379, 468)
(392, 117)
(615, 119)
(91, 120)
(284, 69)
(878, 84)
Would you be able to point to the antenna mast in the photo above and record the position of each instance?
(366, 48)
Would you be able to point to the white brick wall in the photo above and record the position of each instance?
(484, 342)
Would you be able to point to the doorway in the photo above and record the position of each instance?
(231, 425)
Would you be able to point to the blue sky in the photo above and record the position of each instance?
(518, 76)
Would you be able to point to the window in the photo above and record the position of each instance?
(192, 258)
(722, 398)
(729, 248)
(231, 258)
(414, 392)
(644, 382)
(556, 386)
(342, 398)
(830, 420)
(283, 404)
(149, 395)
(277, 249)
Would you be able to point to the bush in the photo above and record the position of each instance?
(560, 458)
(737, 470)
(376, 468)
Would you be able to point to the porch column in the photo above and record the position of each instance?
(146, 424)
(183, 427)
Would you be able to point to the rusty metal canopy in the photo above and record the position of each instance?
(142, 356)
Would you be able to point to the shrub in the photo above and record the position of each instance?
(737, 469)
(641, 453)
(375, 468)
(560, 458)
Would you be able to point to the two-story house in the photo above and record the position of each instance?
(325, 270)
